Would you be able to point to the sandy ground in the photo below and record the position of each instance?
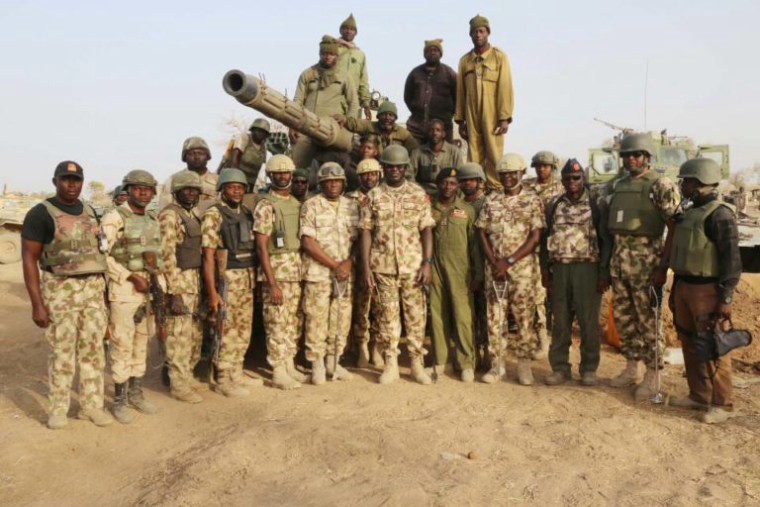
(361, 444)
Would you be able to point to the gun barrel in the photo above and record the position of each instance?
(254, 93)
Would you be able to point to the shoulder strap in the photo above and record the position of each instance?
(551, 209)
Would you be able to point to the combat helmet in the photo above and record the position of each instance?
(186, 179)
(705, 170)
(544, 158)
(331, 171)
(261, 123)
(119, 190)
(280, 164)
(637, 142)
(368, 165)
(192, 143)
(471, 170)
(511, 162)
(231, 176)
(394, 155)
(138, 177)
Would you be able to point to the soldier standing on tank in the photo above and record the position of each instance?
(181, 251)
(228, 225)
(575, 257)
(325, 90)
(397, 253)
(276, 226)
(457, 275)
(61, 235)
(484, 100)
(195, 154)
(365, 328)
(431, 92)
(510, 225)
(436, 154)
(352, 60)
(641, 204)
(131, 231)
(707, 265)
(328, 231)
(384, 128)
(249, 153)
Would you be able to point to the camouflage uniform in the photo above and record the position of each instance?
(283, 323)
(240, 284)
(396, 216)
(335, 228)
(252, 158)
(208, 196)
(507, 221)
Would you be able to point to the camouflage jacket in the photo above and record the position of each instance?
(546, 191)
(285, 266)
(237, 279)
(208, 197)
(178, 281)
(508, 219)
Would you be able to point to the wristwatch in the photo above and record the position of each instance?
(727, 300)
(511, 260)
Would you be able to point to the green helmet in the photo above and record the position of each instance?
(231, 176)
(192, 143)
(637, 142)
(138, 177)
(471, 170)
(706, 170)
(394, 154)
(301, 173)
(368, 165)
(119, 190)
(387, 107)
(544, 158)
(511, 162)
(331, 171)
(280, 164)
(186, 179)
(260, 123)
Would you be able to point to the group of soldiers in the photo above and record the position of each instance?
(387, 242)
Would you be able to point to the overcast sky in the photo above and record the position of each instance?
(118, 86)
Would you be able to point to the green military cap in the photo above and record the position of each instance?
(479, 21)
(138, 177)
(328, 45)
(572, 166)
(192, 143)
(231, 176)
(350, 22)
(387, 107)
(705, 170)
(544, 158)
(449, 172)
(637, 142)
(280, 164)
(260, 123)
(395, 154)
(368, 165)
(435, 43)
(511, 162)
(301, 173)
(331, 171)
(186, 179)
(471, 170)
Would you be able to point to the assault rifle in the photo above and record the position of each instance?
(220, 266)
(158, 300)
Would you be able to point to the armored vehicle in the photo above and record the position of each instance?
(13, 208)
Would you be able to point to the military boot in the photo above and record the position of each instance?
(318, 372)
(494, 375)
(468, 375)
(363, 356)
(556, 378)
(377, 357)
(226, 386)
(120, 409)
(629, 376)
(240, 378)
(340, 372)
(96, 416)
(282, 380)
(418, 372)
(589, 379)
(57, 421)
(137, 399)
(648, 387)
(524, 372)
(390, 373)
(183, 392)
(715, 415)
(294, 373)
(543, 345)
(686, 402)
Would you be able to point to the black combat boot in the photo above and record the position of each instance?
(137, 399)
(120, 409)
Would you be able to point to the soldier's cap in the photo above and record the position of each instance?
(328, 44)
(349, 22)
(300, 173)
(387, 107)
(448, 172)
(69, 168)
(435, 43)
(572, 166)
(479, 21)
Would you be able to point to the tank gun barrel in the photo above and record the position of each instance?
(254, 93)
(624, 130)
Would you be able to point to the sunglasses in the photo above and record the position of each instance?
(634, 154)
(572, 177)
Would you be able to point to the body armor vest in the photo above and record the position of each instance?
(188, 252)
(75, 247)
(237, 237)
(141, 234)
(692, 252)
(632, 210)
(251, 161)
(284, 237)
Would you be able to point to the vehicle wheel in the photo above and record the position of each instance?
(10, 248)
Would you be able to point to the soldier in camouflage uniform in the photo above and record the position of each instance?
(276, 226)
(228, 225)
(384, 128)
(366, 329)
(640, 205)
(249, 152)
(575, 255)
(472, 182)
(131, 231)
(196, 155)
(299, 185)
(61, 235)
(328, 231)
(354, 62)
(397, 252)
(181, 251)
(510, 226)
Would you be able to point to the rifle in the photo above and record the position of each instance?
(226, 157)
(158, 300)
(220, 266)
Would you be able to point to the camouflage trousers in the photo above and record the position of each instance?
(129, 340)
(318, 303)
(238, 326)
(365, 328)
(283, 323)
(183, 342)
(635, 319)
(76, 339)
(540, 323)
(392, 292)
(519, 300)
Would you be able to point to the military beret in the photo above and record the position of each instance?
(448, 172)
(572, 166)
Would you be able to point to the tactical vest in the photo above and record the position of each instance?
(74, 249)
(189, 251)
(284, 237)
(692, 252)
(632, 210)
(251, 161)
(237, 237)
(141, 234)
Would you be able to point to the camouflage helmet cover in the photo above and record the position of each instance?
(395, 155)
(544, 158)
(511, 162)
(706, 170)
(280, 164)
(331, 171)
(138, 177)
(368, 165)
(637, 142)
(471, 170)
(186, 179)
(231, 176)
(192, 143)
(261, 123)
